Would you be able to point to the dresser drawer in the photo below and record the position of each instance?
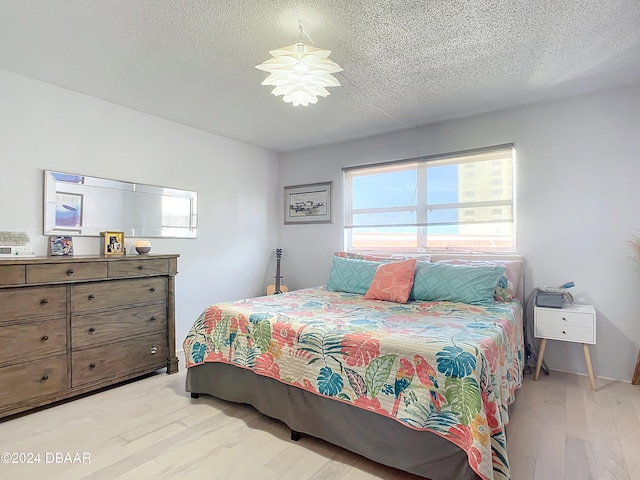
(66, 272)
(97, 328)
(136, 268)
(564, 317)
(12, 274)
(568, 333)
(27, 381)
(32, 302)
(27, 341)
(94, 296)
(118, 359)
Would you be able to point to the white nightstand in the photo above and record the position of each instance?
(574, 323)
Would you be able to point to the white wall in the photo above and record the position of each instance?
(578, 197)
(43, 127)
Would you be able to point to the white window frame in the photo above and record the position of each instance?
(421, 207)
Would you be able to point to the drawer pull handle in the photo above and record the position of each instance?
(92, 330)
(44, 338)
(153, 289)
(44, 301)
(44, 378)
(564, 319)
(140, 267)
(91, 297)
(92, 366)
(70, 271)
(564, 332)
(153, 351)
(152, 319)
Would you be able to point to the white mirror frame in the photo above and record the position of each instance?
(85, 206)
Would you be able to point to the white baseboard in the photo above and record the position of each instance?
(595, 376)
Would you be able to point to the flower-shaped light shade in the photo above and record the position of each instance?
(300, 73)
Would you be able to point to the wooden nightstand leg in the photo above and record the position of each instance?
(543, 345)
(587, 358)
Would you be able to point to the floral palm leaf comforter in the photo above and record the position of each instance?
(449, 368)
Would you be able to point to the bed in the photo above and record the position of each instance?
(422, 386)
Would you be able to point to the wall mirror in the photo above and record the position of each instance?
(86, 206)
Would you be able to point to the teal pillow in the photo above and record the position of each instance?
(474, 285)
(351, 275)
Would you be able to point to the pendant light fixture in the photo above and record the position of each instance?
(300, 73)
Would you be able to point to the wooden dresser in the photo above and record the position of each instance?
(70, 325)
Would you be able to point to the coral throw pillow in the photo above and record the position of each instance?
(392, 282)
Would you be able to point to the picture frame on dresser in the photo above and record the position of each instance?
(112, 243)
(60, 245)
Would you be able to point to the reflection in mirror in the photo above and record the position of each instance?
(86, 206)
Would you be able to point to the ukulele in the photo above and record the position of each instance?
(278, 287)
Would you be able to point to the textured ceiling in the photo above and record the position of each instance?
(405, 62)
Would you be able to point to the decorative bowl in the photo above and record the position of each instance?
(143, 246)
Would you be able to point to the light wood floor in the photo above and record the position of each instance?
(152, 429)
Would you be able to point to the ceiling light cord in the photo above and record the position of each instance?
(342, 74)
(305, 33)
(371, 102)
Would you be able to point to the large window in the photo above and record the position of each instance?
(462, 201)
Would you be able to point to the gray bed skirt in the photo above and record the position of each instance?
(373, 436)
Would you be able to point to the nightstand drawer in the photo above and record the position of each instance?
(568, 333)
(564, 317)
(573, 323)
